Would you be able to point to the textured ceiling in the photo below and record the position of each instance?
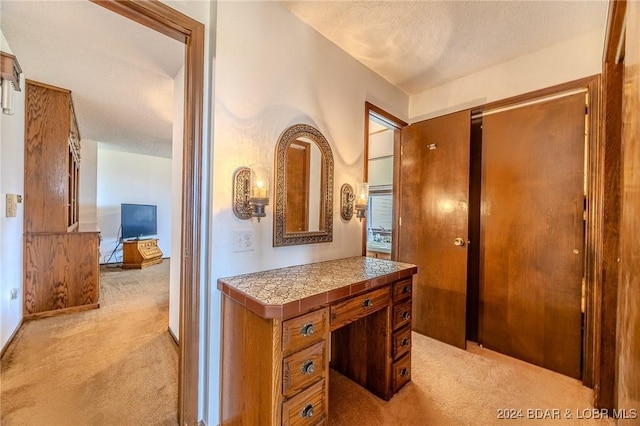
(417, 45)
(121, 73)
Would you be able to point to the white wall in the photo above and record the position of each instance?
(562, 62)
(176, 203)
(273, 71)
(88, 181)
(11, 228)
(125, 177)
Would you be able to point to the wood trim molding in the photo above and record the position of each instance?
(615, 31)
(537, 94)
(609, 187)
(168, 21)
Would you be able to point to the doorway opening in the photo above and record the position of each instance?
(170, 22)
(382, 154)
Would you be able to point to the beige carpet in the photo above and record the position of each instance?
(116, 365)
(455, 387)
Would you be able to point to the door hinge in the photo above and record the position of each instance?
(400, 221)
(586, 110)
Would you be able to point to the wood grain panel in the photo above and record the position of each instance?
(61, 271)
(361, 351)
(304, 330)
(47, 112)
(303, 368)
(359, 306)
(402, 290)
(401, 314)
(401, 342)
(401, 372)
(307, 409)
(628, 377)
(433, 207)
(251, 371)
(532, 233)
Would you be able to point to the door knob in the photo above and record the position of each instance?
(458, 242)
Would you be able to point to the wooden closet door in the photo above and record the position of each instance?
(434, 190)
(532, 233)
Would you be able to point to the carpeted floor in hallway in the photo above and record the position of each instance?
(116, 365)
(453, 387)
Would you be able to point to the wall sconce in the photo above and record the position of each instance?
(250, 192)
(9, 79)
(350, 201)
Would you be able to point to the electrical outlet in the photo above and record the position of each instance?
(242, 241)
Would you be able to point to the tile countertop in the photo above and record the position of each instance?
(287, 292)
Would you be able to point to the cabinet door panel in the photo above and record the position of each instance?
(532, 233)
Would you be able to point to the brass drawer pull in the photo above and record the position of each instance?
(405, 315)
(405, 342)
(404, 372)
(307, 411)
(307, 330)
(406, 289)
(367, 303)
(308, 367)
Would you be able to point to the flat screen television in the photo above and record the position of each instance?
(138, 220)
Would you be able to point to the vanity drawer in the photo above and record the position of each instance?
(304, 330)
(303, 368)
(401, 342)
(401, 372)
(401, 314)
(357, 307)
(308, 408)
(402, 290)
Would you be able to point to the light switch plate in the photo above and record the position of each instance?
(12, 205)
(242, 241)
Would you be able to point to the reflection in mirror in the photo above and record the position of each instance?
(305, 206)
(304, 188)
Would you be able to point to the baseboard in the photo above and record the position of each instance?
(63, 311)
(6, 346)
(173, 336)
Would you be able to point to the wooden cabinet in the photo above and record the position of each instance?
(139, 254)
(282, 366)
(61, 257)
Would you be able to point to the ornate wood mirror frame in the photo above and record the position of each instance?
(281, 236)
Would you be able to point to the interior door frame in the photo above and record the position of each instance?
(397, 124)
(593, 250)
(170, 22)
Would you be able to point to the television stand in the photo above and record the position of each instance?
(138, 254)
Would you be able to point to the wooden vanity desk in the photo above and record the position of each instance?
(283, 329)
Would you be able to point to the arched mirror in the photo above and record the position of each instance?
(304, 188)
